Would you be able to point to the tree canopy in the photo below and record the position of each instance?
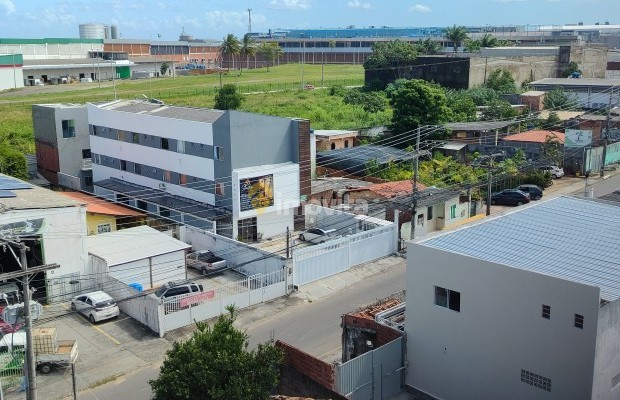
(571, 70)
(501, 81)
(228, 98)
(247, 49)
(271, 51)
(457, 35)
(390, 54)
(415, 103)
(230, 46)
(215, 364)
(558, 99)
(427, 46)
(498, 109)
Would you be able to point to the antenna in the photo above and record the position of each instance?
(249, 20)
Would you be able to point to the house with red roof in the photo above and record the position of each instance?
(104, 216)
(535, 137)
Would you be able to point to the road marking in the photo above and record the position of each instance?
(101, 330)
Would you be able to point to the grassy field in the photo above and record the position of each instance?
(274, 92)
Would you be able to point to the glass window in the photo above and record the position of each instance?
(68, 128)
(164, 144)
(86, 153)
(453, 211)
(546, 311)
(88, 181)
(121, 135)
(448, 298)
(441, 296)
(218, 154)
(102, 228)
(429, 213)
(219, 188)
(137, 168)
(166, 176)
(180, 146)
(123, 165)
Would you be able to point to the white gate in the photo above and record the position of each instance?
(326, 259)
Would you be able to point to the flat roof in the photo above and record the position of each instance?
(334, 132)
(577, 82)
(163, 110)
(132, 244)
(336, 183)
(478, 125)
(554, 238)
(34, 198)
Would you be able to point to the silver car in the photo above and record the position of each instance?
(317, 235)
(553, 170)
(96, 306)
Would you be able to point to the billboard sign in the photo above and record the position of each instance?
(256, 193)
(577, 138)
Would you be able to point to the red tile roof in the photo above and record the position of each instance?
(389, 190)
(96, 205)
(535, 136)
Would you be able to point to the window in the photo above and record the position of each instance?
(68, 128)
(86, 153)
(123, 165)
(88, 181)
(333, 146)
(429, 213)
(218, 153)
(164, 212)
(96, 158)
(453, 211)
(163, 144)
(219, 188)
(448, 298)
(346, 144)
(180, 146)
(141, 204)
(546, 311)
(137, 168)
(420, 220)
(121, 135)
(102, 228)
(579, 321)
(167, 176)
(94, 130)
(535, 380)
(183, 179)
(135, 137)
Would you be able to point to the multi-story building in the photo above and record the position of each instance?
(62, 145)
(237, 173)
(523, 306)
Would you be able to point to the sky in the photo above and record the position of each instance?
(213, 19)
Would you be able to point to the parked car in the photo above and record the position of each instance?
(96, 306)
(317, 235)
(553, 170)
(206, 262)
(535, 192)
(511, 197)
(172, 289)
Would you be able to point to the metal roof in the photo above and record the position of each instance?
(28, 197)
(602, 83)
(354, 159)
(162, 110)
(570, 238)
(479, 125)
(132, 244)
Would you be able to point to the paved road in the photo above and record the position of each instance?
(603, 187)
(313, 327)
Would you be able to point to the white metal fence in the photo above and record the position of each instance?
(338, 255)
(184, 310)
(374, 375)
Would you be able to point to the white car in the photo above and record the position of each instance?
(317, 235)
(553, 170)
(96, 306)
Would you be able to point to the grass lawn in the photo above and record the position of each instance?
(274, 92)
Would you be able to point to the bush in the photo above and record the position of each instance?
(337, 90)
(541, 179)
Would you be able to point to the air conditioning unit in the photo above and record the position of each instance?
(162, 186)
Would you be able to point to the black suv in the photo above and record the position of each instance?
(535, 192)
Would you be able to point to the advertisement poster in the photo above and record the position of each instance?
(256, 192)
(578, 138)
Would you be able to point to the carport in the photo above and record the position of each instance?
(141, 255)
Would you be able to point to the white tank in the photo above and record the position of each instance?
(92, 31)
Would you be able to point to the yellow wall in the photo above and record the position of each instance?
(93, 220)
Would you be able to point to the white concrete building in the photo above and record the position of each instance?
(54, 228)
(11, 71)
(522, 306)
(235, 172)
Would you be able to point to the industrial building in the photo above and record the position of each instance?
(11, 71)
(522, 306)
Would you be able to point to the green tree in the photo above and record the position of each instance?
(417, 102)
(481, 95)
(371, 102)
(215, 364)
(164, 68)
(552, 149)
(230, 46)
(228, 98)
(498, 109)
(270, 51)
(427, 46)
(332, 44)
(248, 49)
(489, 41)
(558, 99)
(462, 106)
(13, 162)
(501, 81)
(472, 46)
(457, 35)
(390, 54)
(571, 68)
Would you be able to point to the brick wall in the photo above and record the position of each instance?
(318, 370)
(304, 156)
(357, 329)
(47, 160)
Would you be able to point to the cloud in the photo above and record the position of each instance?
(358, 4)
(59, 15)
(289, 4)
(9, 7)
(419, 8)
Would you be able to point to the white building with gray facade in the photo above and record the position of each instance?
(522, 306)
(237, 173)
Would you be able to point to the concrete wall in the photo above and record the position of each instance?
(480, 352)
(606, 384)
(153, 271)
(11, 77)
(521, 68)
(94, 220)
(591, 58)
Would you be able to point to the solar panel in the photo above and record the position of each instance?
(8, 183)
(6, 193)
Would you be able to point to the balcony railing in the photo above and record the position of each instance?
(87, 164)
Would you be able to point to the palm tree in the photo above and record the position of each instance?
(248, 48)
(456, 34)
(489, 41)
(332, 44)
(428, 46)
(230, 46)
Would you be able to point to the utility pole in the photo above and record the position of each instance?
(490, 180)
(606, 139)
(414, 204)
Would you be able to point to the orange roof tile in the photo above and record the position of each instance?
(389, 190)
(535, 136)
(96, 205)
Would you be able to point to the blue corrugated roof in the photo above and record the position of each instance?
(566, 237)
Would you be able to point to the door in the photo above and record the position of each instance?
(247, 230)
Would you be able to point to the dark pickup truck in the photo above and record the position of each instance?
(206, 262)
